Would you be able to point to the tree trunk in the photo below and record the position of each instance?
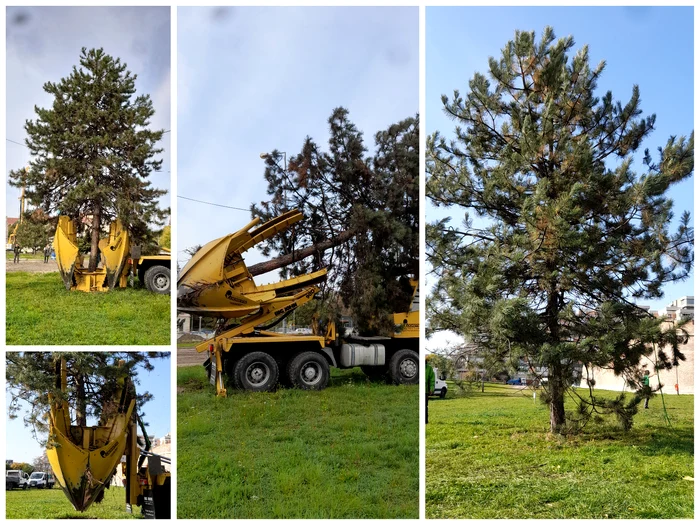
(557, 415)
(288, 259)
(80, 403)
(95, 238)
(557, 383)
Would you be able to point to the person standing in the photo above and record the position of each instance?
(17, 250)
(646, 388)
(47, 252)
(429, 386)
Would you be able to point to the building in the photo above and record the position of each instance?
(678, 380)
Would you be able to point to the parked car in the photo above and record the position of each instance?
(515, 381)
(41, 480)
(440, 384)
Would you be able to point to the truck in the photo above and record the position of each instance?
(215, 282)
(41, 480)
(86, 459)
(16, 479)
(440, 384)
(120, 260)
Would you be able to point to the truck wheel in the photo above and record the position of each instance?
(443, 393)
(374, 371)
(403, 367)
(157, 279)
(308, 371)
(256, 371)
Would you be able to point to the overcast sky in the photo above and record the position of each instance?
(44, 43)
(251, 80)
(649, 46)
(22, 447)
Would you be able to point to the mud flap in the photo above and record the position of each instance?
(161, 500)
(210, 368)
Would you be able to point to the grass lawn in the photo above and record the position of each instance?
(488, 455)
(53, 504)
(349, 451)
(40, 311)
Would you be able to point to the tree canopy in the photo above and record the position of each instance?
(93, 150)
(562, 232)
(92, 378)
(361, 216)
(35, 231)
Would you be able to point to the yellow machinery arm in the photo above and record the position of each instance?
(216, 282)
(84, 459)
(115, 254)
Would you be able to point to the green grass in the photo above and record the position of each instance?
(53, 504)
(39, 255)
(489, 456)
(40, 311)
(349, 451)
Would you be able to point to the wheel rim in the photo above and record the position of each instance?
(408, 368)
(310, 373)
(257, 373)
(161, 282)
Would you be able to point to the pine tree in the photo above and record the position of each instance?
(93, 150)
(361, 216)
(561, 233)
(92, 378)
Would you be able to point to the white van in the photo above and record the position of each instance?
(41, 480)
(440, 384)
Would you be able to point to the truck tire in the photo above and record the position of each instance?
(157, 279)
(374, 372)
(443, 393)
(256, 371)
(403, 367)
(309, 371)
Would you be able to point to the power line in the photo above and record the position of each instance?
(214, 204)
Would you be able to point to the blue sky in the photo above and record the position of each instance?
(21, 447)
(648, 46)
(251, 80)
(43, 44)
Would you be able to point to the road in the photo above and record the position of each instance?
(31, 266)
(189, 356)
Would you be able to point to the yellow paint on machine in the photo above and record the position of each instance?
(115, 255)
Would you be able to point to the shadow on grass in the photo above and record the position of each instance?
(668, 442)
